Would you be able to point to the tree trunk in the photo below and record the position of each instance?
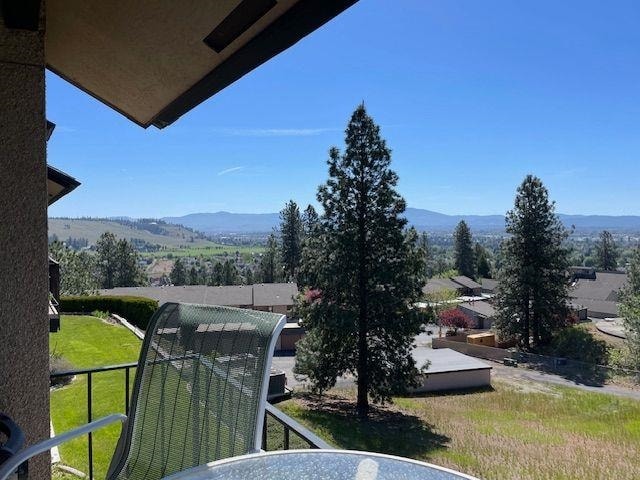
(363, 368)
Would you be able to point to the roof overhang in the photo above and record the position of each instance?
(59, 184)
(153, 61)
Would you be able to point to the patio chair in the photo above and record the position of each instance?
(199, 395)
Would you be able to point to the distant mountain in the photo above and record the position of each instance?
(225, 222)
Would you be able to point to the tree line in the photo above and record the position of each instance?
(115, 263)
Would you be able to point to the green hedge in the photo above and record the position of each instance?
(137, 310)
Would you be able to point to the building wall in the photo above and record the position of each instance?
(24, 331)
(454, 380)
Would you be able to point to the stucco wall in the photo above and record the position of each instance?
(454, 380)
(24, 337)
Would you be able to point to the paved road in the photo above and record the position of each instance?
(499, 371)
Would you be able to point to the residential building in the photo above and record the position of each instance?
(599, 296)
(482, 313)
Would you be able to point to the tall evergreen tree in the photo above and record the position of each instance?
(269, 264)
(291, 239)
(230, 273)
(359, 317)
(193, 276)
(106, 258)
(483, 266)
(217, 274)
(429, 266)
(128, 272)
(310, 220)
(248, 276)
(533, 292)
(178, 273)
(607, 252)
(630, 309)
(463, 250)
(77, 270)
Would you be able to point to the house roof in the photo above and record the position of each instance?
(59, 184)
(262, 295)
(267, 294)
(489, 284)
(596, 306)
(481, 308)
(466, 282)
(605, 287)
(231, 295)
(435, 285)
(443, 360)
(155, 61)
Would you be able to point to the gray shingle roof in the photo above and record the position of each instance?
(435, 285)
(481, 308)
(268, 294)
(489, 284)
(605, 287)
(228, 295)
(596, 306)
(466, 282)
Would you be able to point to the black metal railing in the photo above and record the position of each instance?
(272, 414)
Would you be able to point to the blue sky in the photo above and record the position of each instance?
(471, 96)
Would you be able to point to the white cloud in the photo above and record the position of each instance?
(230, 170)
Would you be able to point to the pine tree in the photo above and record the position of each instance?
(463, 250)
(291, 239)
(106, 253)
(368, 274)
(178, 273)
(78, 274)
(217, 274)
(607, 252)
(269, 264)
(248, 276)
(310, 220)
(533, 292)
(630, 309)
(193, 276)
(429, 266)
(229, 273)
(483, 266)
(310, 248)
(128, 272)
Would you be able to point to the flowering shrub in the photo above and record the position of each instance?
(455, 319)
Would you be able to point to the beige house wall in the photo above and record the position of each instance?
(24, 324)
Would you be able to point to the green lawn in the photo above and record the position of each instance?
(90, 342)
(509, 432)
(208, 251)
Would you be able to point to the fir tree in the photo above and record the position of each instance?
(269, 265)
(291, 239)
(630, 309)
(310, 220)
(533, 288)
(607, 252)
(106, 253)
(367, 274)
(178, 273)
(483, 266)
(463, 250)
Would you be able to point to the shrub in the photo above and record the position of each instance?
(57, 364)
(137, 310)
(577, 343)
(454, 319)
(100, 314)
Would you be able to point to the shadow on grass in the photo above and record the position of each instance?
(590, 376)
(385, 430)
(452, 393)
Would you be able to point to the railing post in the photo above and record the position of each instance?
(89, 421)
(264, 433)
(126, 391)
(286, 437)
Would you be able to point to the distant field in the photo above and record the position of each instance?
(207, 251)
(92, 229)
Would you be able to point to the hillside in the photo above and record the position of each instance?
(152, 232)
(225, 222)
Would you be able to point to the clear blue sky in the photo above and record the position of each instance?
(471, 96)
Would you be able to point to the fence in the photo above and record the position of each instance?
(582, 372)
(273, 417)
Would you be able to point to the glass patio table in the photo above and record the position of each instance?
(318, 465)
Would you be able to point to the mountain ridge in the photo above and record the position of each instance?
(422, 219)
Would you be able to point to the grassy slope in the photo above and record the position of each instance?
(213, 249)
(506, 433)
(92, 229)
(90, 342)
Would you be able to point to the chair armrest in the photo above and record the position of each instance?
(7, 468)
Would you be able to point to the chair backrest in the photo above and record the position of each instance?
(200, 389)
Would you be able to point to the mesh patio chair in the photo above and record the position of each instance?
(199, 395)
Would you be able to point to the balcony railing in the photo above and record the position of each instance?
(274, 418)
